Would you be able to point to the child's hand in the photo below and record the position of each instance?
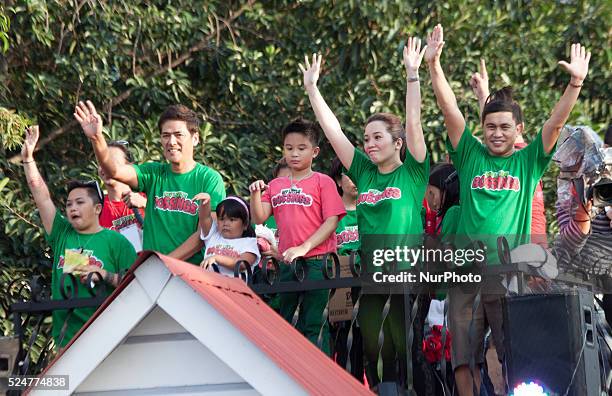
(208, 262)
(204, 198)
(259, 185)
(272, 252)
(292, 253)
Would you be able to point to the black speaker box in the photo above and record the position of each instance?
(548, 337)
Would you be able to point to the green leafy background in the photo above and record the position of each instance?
(236, 64)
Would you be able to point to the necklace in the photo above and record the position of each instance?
(81, 247)
(295, 181)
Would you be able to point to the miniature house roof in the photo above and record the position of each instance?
(173, 328)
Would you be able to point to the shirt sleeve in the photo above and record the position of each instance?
(146, 174)
(266, 195)
(331, 202)
(249, 245)
(571, 239)
(126, 255)
(538, 157)
(211, 232)
(467, 144)
(59, 228)
(419, 171)
(361, 163)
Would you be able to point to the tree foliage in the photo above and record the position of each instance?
(236, 64)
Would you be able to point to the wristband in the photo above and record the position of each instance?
(27, 162)
(576, 85)
(413, 79)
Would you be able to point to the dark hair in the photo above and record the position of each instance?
(93, 189)
(502, 101)
(230, 207)
(122, 145)
(608, 136)
(280, 165)
(179, 112)
(304, 127)
(394, 128)
(335, 172)
(444, 176)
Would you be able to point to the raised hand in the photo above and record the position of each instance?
(413, 55)
(258, 185)
(480, 82)
(88, 117)
(204, 199)
(579, 63)
(435, 42)
(29, 143)
(311, 71)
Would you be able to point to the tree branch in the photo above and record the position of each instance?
(199, 46)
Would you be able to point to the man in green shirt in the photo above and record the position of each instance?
(80, 245)
(497, 184)
(171, 214)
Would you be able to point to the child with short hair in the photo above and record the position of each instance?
(307, 210)
(229, 239)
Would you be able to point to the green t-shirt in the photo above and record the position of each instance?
(389, 204)
(106, 249)
(347, 234)
(496, 192)
(171, 213)
(450, 222)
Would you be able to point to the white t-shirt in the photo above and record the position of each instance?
(215, 243)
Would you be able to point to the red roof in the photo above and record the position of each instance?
(233, 299)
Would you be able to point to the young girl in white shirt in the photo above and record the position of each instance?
(230, 238)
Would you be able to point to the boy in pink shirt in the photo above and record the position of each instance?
(307, 208)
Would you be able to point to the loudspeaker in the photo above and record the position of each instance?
(548, 337)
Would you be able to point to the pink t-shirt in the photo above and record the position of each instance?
(300, 211)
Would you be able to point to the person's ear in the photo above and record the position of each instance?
(520, 128)
(399, 143)
(195, 139)
(98, 209)
(316, 152)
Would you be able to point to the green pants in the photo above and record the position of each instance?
(370, 318)
(310, 318)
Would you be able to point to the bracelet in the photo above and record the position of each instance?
(413, 79)
(576, 85)
(27, 162)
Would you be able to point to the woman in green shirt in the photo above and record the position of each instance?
(391, 182)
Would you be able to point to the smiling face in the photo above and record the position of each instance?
(299, 151)
(500, 132)
(81, 211)
(177, 142)
(378, 143)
